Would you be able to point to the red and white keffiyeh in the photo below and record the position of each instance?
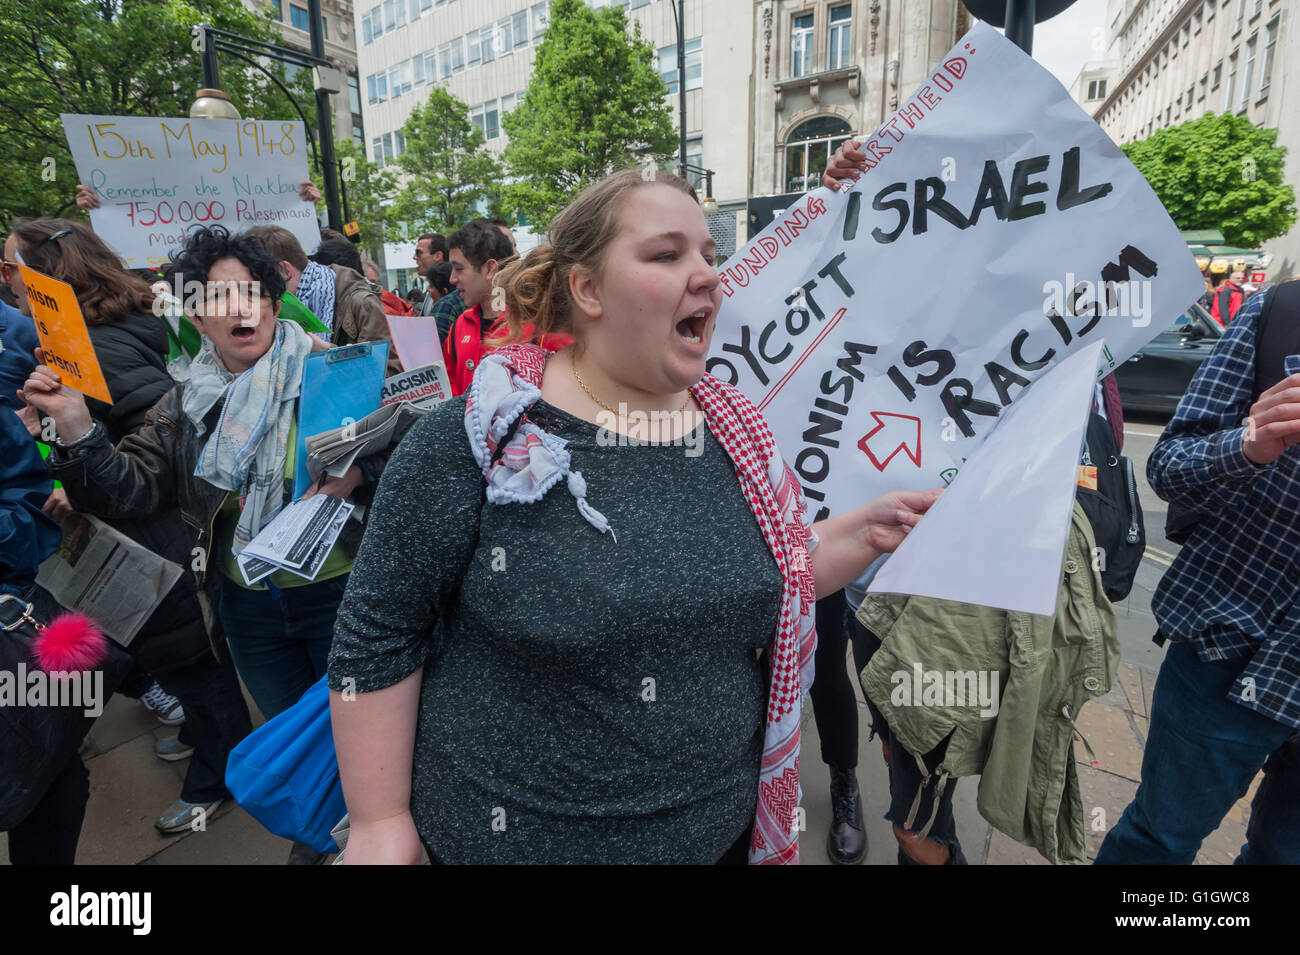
(776, 499)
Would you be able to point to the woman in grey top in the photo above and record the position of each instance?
(530, 673)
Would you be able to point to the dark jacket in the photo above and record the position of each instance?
(27, 536)
(132, 354)
(17, 342)
(359, 313)
(153, 469)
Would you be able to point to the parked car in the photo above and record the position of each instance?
(1155, 378)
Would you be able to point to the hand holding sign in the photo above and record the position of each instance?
(46, 392)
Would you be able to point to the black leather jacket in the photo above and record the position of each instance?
(153, 469)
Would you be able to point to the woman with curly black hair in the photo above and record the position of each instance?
(221, 446)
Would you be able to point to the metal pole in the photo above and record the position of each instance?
(208, 57)
(325, 124)
(681, 85)
(1020, 23)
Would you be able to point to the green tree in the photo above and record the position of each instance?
(1219, 172)
(369, 191)
(110, 57)
(448, 171)
(595, 104)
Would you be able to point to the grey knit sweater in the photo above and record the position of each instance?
(583, 700)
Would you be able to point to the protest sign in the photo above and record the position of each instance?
(159, 179)
(996, 230)
(339, 387)
(416, 340)
(997, 536)
(62, 331)
(423, 387)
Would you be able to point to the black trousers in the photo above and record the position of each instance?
(835, 706)
(216, 719)
(49, 834)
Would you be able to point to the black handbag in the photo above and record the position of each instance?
(1113, 509)
(43, 717)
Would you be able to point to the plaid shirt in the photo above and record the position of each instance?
(445, 311)
(1232, 590)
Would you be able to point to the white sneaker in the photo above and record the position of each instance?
(162, 705)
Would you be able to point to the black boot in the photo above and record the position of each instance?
(846, 843)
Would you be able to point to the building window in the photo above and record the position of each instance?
(491, 120)
(1096, 89)
(324, 27)
(540, 20)
(1199, 16)
(694, 65)
(1248, 74)
(839, 44)
(354, 94)
(1257, 7)
(695, 157)
(505, 35)
(458, 55)
(485, 44)
(298, 17)
(377, 88)
(1270, 44)
(275, 7)
(1217, 75)
(521, 29)
(808, 148)
(1230, 87)
(1241, 16)
(1201, 87)
(801, 45)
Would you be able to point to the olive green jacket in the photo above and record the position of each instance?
(1044, 668)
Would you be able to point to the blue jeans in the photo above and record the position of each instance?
(1203, 750)
(280, 639)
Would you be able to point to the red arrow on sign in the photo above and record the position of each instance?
(892, 435)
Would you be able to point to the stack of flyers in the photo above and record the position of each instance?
(298, 539)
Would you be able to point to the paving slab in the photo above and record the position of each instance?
(129, 789)
(233, 837)
(1131, 680)
(1112, 738)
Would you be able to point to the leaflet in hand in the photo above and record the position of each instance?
(297, 540)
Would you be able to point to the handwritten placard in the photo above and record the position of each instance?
(159, 179)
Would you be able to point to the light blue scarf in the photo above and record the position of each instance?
(246, 452)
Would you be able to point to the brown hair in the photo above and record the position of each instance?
(537, 288)
(105, 291)
(281, 243)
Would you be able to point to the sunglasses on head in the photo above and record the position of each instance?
(57, 235)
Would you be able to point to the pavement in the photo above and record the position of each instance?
(130, 787)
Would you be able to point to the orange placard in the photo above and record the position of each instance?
(62, 331)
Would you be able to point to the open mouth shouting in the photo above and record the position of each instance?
(691, 328)
(244, 332)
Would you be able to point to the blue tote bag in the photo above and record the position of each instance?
(286, 776)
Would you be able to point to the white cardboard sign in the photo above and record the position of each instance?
(884, 330)
(996, 537)
(159, 179)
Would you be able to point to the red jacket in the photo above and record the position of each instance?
(464, 349)
(1234, 297)
(395, 304)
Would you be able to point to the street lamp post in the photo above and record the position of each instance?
(709, 205)
(679, 17)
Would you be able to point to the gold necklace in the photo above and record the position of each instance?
(573, 363)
